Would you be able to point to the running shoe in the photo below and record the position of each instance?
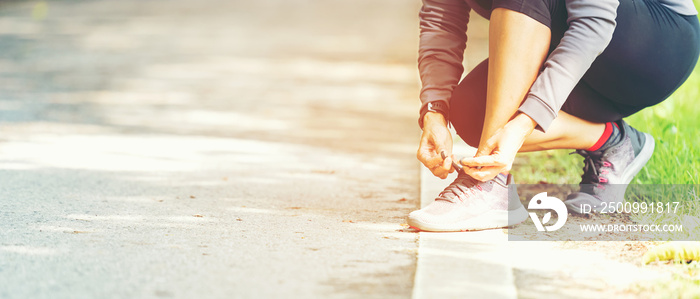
(468, 204)
(607, 173)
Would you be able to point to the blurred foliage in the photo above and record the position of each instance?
(40, 10)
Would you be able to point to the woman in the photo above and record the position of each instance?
(561, 74)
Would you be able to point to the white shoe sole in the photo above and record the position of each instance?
(639, 161)
(489, 220)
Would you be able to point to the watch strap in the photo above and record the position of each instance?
(437, 106)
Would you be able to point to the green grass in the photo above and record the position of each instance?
(675, 126)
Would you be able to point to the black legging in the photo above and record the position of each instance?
(652, 52)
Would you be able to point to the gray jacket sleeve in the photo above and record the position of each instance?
(443, 37)
(591, 26)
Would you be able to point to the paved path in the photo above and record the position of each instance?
(207, 149)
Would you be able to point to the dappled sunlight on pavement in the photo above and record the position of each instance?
(207, 149)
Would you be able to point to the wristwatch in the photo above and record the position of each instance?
(436, 106)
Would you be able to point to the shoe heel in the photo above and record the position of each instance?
(641, 159)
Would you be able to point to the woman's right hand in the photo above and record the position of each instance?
(435, 139)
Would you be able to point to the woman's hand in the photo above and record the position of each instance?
(435, 139)
(496, 155)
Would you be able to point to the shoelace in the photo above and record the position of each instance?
(463, 185)
(592, 164)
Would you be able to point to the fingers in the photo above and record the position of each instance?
(432, 159)
(484, 161)
(483, 174)
(439, 167)
(484, 168)
(434, 140)
(447, 164)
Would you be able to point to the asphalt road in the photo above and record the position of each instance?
(209, 149)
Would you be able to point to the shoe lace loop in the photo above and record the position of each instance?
(592, 163)
(461, 187)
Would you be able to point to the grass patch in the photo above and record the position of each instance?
(684, 283)
(674, 124)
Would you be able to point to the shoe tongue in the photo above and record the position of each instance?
(591, 154)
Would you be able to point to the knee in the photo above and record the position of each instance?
(527, 7)
(542, 11)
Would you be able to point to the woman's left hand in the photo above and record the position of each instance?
(496, 155)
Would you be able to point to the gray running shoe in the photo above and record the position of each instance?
(468, 204)
(607, 173)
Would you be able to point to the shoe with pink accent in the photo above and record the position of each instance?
(607, 173)
(468, 204)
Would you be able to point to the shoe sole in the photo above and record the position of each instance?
(573, 208)
(635, 166)
(641, 160)
(488, 220)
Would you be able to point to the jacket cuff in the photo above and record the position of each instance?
(539, 111)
